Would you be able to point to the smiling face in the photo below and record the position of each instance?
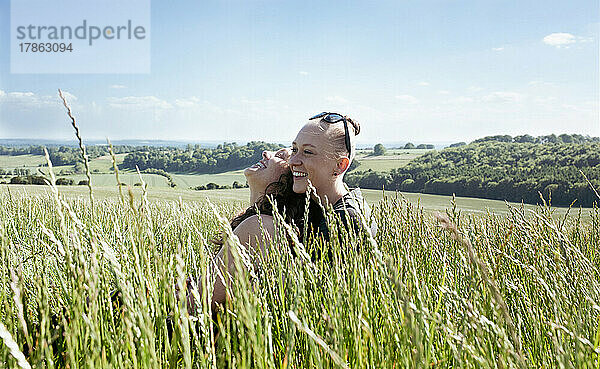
(314, 158)
(268, 169)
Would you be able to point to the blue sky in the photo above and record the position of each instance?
(420, 71)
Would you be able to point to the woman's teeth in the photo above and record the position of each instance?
(259, 165)
(300, 174)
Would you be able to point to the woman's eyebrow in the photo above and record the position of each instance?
(306, 144)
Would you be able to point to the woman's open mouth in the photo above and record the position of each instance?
(259, 165)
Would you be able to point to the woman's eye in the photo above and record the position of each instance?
(307, 152)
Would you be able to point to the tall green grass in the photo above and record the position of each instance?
(470, 291)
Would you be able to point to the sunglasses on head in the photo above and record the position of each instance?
(334, 118)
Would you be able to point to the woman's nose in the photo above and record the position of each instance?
(292, 159)
(267, 155)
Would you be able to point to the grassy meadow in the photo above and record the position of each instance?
(104, 183)
(445, 283)
(30, 162)
(102, 173)
(161, 192)
(520, 289)
(393, 158)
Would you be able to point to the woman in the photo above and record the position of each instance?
(268, 179)
(322, 153)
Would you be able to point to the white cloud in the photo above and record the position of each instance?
(497, 48)
(21, 95)
(460, 100)
(259, 108)
(194, 106)
(571, 107)
(444, 92)
(336, 100)
(503, 97)
(187, 102)
(423, 83)
(474, 89)
(559, 39)
(32, 100)
(407, 99)
(304, 73)
(257, 102)
(117, 86)
(545, 100)
(138, 103)
(69, 96)
(541, 85)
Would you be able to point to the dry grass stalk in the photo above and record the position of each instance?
(81, 145)
(13, 347)
(589, 183)
(114, 163)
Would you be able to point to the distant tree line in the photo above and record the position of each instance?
(564, 138)
(498, 167)
(410, 146)
(39, 180)
(214, 186)
(549, 139)
(67, 155)
(225, 157)
(16, 172)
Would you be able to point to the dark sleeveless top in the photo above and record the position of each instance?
(348, 208)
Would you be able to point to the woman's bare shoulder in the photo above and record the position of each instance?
(252, 226)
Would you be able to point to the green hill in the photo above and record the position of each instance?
(513, 171)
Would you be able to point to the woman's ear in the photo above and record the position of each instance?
(343, 164)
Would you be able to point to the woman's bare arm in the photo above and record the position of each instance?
(250, 235)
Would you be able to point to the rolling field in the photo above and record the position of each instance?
(184, 181)
(21, 161)
(102, 173)
(107, 180)
(394, 158)
(193, 180)
(429, 203)
(32, 162)
(382, 165)
(366, 153)
(162, 193)
(104, 163)
(158, 188)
